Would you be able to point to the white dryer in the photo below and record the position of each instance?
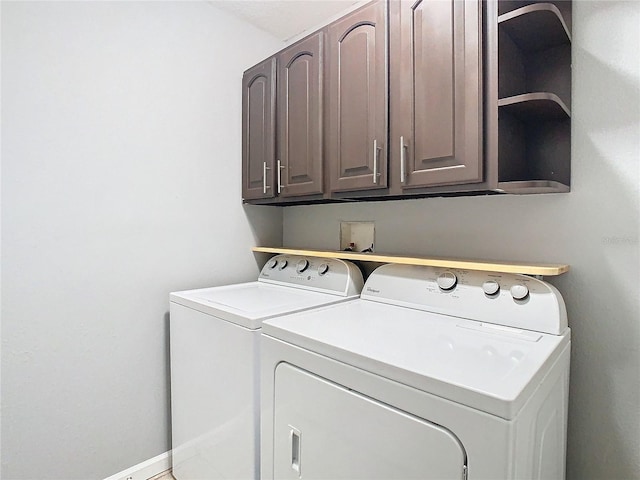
(433, 374)
(215, 355)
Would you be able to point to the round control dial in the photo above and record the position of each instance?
(283, 264)
(272, 263)
(519, 292)
(302, 265)
(447, 280)
(323, 268)
(491, 287)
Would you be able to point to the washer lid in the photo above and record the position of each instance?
(488, 367)
(248, 304)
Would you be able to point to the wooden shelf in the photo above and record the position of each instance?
(466, 264)
(535, 106)
(536, 27)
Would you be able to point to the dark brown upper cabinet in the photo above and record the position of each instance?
(282, 125)
(436, 92)
(258, 131)
(358, 100)
(300, 152)
(414, 98)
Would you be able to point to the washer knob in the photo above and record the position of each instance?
(302, 265)
(323, 268)
(490, 287)
(283, 264)
(519, 292)
(272, 263)
(447, 280)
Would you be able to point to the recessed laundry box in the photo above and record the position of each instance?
(215, 355)
(433, 374)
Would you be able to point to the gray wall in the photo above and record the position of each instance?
(120, 183)
(595, 229)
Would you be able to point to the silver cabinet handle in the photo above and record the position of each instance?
(376, 150)
(280, 168)
(264, 177)
(403, 161)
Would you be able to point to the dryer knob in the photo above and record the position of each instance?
(272, 263)
(323, 268)
(519, 292)
(302, 265)
(283, 264)
(491, 287)
(447, 280)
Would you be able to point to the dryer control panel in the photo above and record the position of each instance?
(511, 300)
(327, 275)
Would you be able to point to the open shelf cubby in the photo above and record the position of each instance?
(534, 96)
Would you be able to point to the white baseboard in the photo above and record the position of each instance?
(146, 469)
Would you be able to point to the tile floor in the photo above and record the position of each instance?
(166, 475)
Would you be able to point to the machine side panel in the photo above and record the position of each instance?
(541, 436)
(214, 396)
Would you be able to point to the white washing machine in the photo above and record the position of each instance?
(432, 374)
(215, 356)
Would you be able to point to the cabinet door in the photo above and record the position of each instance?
(299, 100)
(437, 92)
(357, 127)
(258, 130)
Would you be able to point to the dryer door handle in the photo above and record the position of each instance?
(296, 449)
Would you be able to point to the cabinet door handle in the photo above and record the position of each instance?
(280, 168)
(403, 161)
(376, 150)
(296, 449)
(264, 177)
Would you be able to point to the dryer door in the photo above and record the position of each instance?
(323, 430)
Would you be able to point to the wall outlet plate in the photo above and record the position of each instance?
(357, 236)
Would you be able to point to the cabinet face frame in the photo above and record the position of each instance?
(357, 126)
(437, 123)
(300, 108)
(258, 131)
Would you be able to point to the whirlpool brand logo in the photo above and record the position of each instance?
(372, 290)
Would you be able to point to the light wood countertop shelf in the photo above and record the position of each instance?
(543, 269)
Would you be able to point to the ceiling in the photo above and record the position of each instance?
(284, 18)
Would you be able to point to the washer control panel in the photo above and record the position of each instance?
(320, 274)
(511, 300)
